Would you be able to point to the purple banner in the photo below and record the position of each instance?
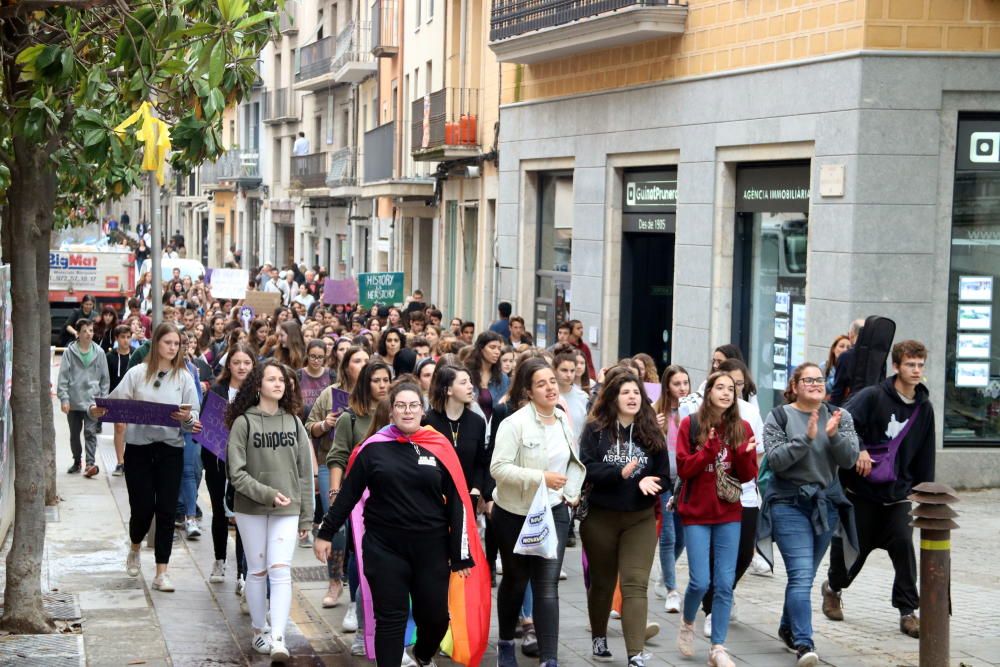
(340, 291)
(120, 411)
(340, 398)
(214, 435)
(652, 391)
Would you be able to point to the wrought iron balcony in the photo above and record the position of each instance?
(445, 125)
(343, 173)
(315, 60)
(288, 19)
(281, 106)
(310, 171)
(346, 59)
(379, 150)
(385, 28)
(234, 167)
(531, 31)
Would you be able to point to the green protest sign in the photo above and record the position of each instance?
(381, 288)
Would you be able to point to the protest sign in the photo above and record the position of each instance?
(229, 283)
(652, 391)
(340, 398)
(340, 291)
(262, 302)
(214, 435)
(381, 288)
(246, 317)
(121, 411)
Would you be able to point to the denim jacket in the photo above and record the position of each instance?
(520, 460)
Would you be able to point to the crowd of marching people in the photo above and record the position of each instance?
(389, 440)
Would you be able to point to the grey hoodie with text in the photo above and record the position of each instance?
(268, 454)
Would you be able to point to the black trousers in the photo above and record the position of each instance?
(215, 480)
(543, 574)
(880, 527)
(399, 566)
(153, 479)
(748, 540)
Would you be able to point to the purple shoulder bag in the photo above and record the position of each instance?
(884, 454)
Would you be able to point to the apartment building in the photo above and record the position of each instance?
(683, 175)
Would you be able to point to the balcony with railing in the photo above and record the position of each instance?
(288, 19)
(445, 125)
(344, 59)
(532, 31)
(342, 179)
(234, 167)
(379, 149)
(281, 106)
(310, 171)
(385, 28)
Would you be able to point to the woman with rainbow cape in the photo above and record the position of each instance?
(415, 532)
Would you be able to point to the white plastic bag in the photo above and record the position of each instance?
(538, 534)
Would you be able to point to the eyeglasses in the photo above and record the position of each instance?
(315, 357)
(159, 377)
(812, 381)
(407, 407)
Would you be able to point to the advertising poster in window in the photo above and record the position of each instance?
(975, 317)
(975, 288)
(798, 334)
(973, 346)
(972, 374)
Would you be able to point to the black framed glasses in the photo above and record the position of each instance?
(159, 378)
(814, 381)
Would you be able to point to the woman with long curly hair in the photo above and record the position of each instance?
(715, 437)
(627, 468)
(291, 349)
(389, 345)
(647, 367)
(270, 466)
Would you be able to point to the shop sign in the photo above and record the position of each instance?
(649, 223)
(650, 191)
(978, 145)
(773, 188)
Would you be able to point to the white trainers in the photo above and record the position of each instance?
(191, 529)
(241, 584)
(218, 572)
(350, 622)
(563, 576)
(615, 615)
(759, 566)
(358, 645)
(707, 629)
(279, 653)
(673, 603)
(132, 567)
(244, 607)
(162, 583)
(660, 590)
(407, 661)
(262, 642)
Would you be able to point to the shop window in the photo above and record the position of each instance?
(972, 364)
(554, 255)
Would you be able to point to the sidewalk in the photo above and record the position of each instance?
(125, 623)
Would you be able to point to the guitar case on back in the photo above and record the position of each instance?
(871, 351)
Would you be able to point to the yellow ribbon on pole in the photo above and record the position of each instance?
(155, 134)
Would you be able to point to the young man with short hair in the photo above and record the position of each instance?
(518, 333)
(502, 326)
(468, 332)
(417, 322)
(83, 376)
(434, 316)
(897, 409)
(420, 345)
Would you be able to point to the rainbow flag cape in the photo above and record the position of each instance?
(469, 599)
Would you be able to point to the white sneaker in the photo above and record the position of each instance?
(132, 567)
(358, 645)
(707, 630)
(218, 572)
(407, 661)
(562, 575)
(732, 613)
(615, 615)
(241, 584)
(660, 590)
(244, 607)
(262, 642)
(162, 583)
(499, 566)
(279, 653)
(191, 529)
(306, 542)
(350, 622)
(673, 603)
(759, 566)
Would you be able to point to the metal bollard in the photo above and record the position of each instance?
(934, 518)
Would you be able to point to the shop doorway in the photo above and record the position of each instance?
(647, 297)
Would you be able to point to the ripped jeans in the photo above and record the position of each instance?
(269, 543)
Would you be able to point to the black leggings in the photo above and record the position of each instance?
(748, 540)
(215, 480)
(543, 574)
(401, 565)
(153, 479)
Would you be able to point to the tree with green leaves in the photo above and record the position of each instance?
(71, 71)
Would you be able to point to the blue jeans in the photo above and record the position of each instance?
(191, 476)
(802, 550)
(725, 537)
(671, 543)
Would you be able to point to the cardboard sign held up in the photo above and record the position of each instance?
(263, 303)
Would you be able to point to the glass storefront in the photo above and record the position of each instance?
(555, 255)
(769, 281)
(972, 365)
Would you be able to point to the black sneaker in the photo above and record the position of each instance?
(74, 469)
(785, 635)
(601, 652)
(806, 656)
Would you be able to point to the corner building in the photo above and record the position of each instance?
(761, 172)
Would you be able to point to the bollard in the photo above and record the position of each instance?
(933, 517)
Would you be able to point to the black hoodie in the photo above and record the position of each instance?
(878, 411)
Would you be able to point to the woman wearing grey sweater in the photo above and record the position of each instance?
(806, 443)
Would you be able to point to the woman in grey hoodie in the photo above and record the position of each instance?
(270, 467)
